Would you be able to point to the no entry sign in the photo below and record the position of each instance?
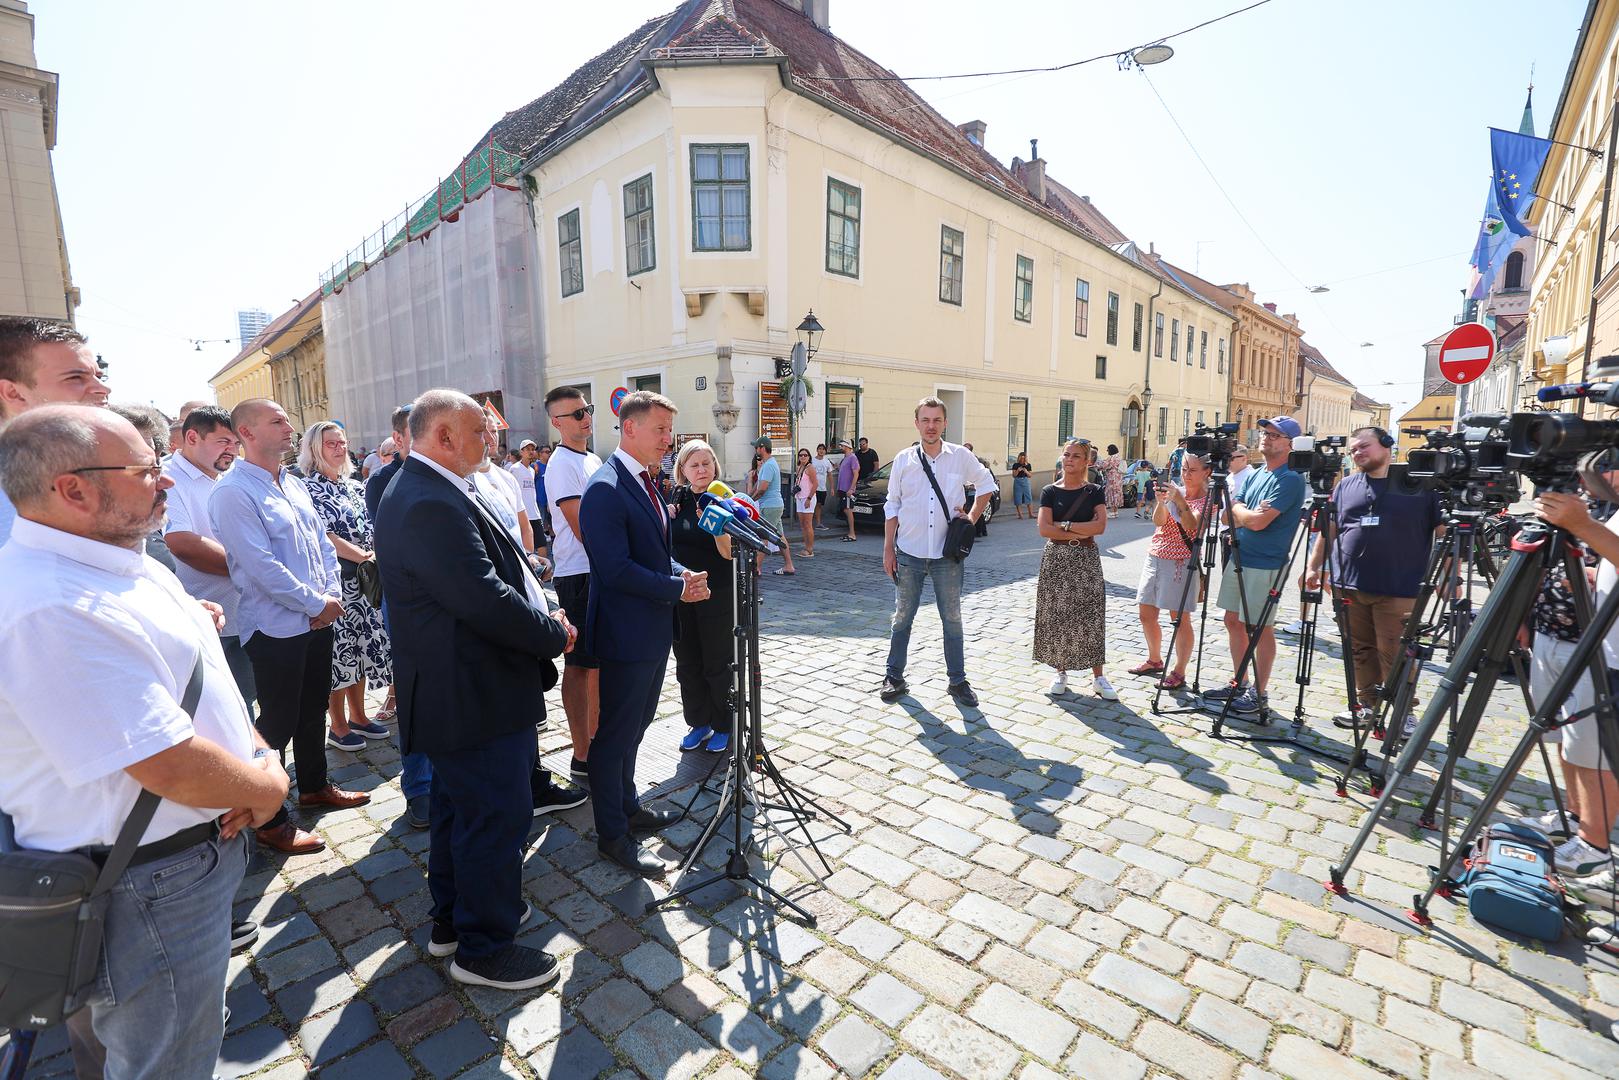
(1466, 352)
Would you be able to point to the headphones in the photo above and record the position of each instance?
(1383, 438)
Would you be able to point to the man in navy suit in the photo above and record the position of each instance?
(635, 584)
(473, 648)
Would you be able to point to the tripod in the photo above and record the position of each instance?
(749, 757)
(1485, 650)
(1203, 547)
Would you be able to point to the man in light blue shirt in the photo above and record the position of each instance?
(285, 567)
(767, 493)
(43, 363)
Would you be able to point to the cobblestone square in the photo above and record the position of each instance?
(1034, 888)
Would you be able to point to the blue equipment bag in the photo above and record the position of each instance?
(1511, 882)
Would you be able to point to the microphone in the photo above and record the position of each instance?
(1564, 392)
(741, 504)
(719, 490)
(716, 519)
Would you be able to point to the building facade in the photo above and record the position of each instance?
(1365, 412)
(250, 373)
(1265, 381)
(1564, 278)
(250, 323)
(35, 278)
(1328, 398)
(298, 374)
(704, 185)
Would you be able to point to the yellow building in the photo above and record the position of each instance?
(1364, 412)
(250, 373)
(1328, 398)
(35, 279)
(703, 185)
(1562, 285)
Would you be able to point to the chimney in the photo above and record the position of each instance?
(1270, 308)
(1152, 249)
(813, 10)
(974, 130)
(1034, 173)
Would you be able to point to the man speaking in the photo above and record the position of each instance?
(630, 625)
(473, 651)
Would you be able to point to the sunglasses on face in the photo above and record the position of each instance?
(577, 414)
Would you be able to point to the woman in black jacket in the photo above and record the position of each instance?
(703, 648)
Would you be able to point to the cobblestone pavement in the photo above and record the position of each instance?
(1034, 888)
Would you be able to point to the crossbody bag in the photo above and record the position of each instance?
(53, 909)
(960, 533)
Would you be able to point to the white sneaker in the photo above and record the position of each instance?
(1294, 627)
(1059, 685)
(1577, 858)
(1408, 728)
(1104, 689)
(1550, 822)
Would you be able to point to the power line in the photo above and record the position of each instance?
(1118, 54)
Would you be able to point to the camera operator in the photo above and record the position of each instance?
(1263, 516)
(1374, 560)
(1594, 790)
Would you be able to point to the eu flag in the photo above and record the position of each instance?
(1494, 244)
(1515, 161)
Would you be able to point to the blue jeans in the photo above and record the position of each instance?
(241, 669)
(946, 577)
(158, 1003)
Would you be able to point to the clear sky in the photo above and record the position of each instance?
(215, 156)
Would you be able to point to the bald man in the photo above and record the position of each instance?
(285, 567)
(43, 363)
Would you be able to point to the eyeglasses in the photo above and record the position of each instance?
(152, 472)
(577, 414)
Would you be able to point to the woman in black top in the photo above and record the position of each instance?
(1070, 607)
(703, 646)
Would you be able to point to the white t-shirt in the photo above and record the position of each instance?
(565, 479)
(188, 512)
(373, 462)
(823, 468)
(501, 489)
(100, 642)
(524, 475)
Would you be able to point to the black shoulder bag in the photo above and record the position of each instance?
(53, 907)
(960, 533)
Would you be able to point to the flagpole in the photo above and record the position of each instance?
(1602, 243)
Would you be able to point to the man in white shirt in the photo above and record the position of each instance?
(823, 475)
(88, 490)
(206, 449)
(372, 462)
(523, 471)
(913, 543)
(572, 465)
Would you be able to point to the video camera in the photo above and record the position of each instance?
(1216, 444)
(1470, 466)
(1553, 448)
(1322, 460)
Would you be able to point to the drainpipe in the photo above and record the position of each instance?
(1146, 378)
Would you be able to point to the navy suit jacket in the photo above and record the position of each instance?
(635, 582)
(472, 656)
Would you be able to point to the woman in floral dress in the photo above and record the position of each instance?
(1112, 469)
(361, 655)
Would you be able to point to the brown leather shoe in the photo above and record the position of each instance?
(330, 795)
(288, 839)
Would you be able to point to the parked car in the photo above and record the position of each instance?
(871, 494)
(1129, 480)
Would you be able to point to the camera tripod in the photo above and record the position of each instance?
(1485, 650)
(751, 763)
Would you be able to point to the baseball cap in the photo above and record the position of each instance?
(525, 444)
(1285, 424)
(763, 442)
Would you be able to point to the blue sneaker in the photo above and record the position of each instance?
(370, 729)
(1250, 703)
(719, 742)
(350, 742)
(1220, 694)
(695, 738)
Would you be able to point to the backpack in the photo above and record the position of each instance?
(1511, 882)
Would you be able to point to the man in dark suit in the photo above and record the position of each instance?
(473, 651)
(630, 622)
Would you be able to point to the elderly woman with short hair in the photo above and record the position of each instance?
(360, 652)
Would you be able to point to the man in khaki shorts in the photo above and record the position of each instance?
(1263, 516)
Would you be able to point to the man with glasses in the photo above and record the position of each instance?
(571, 467)
(88, 490)
(286, 568)
(1263, 516)
(41, 363)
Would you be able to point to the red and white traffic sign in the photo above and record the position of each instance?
(1466, 352)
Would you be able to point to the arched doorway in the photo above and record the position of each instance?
(1132, 428)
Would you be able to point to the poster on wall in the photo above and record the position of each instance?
(774, 421)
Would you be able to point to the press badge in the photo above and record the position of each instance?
(1369, 520)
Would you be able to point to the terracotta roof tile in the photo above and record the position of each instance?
(1318, 363)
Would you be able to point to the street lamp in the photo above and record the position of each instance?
(1148, 55)
(1316, 289)
(808, 331)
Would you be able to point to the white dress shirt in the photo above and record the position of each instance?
(635, 469)
(188, 512)
(922, 521)
(100, 642)
(469, 486)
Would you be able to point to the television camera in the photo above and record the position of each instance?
(1215, 444)
(1322, 460)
